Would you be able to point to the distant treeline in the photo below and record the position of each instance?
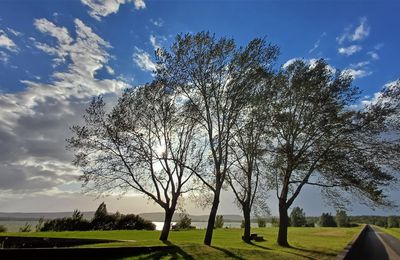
(382, 221)
(100, 221)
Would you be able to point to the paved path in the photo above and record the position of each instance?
(379, 245)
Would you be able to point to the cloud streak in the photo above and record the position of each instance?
(35, 122)
(359, 33)
(102, 8)
(143, 60)
(348, 51)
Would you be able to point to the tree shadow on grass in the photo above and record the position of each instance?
(175, 252)
(259, 246)
(307, 251)
(227, 252)
(313, 251)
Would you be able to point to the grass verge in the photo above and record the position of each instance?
(306, 243)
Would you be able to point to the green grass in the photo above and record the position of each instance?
(392, 231)
(307, 243)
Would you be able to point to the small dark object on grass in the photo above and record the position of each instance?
(255, 237)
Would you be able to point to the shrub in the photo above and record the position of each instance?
(132, 221)
(327, 220)
(393, 222)
(242, 224)
(25, 228)
(274, 221)
(39, 225)
(101, 221)
(219, 221)
(342, 219)
(261, 222)
(297, 217)
(184, 223)
(3, 229)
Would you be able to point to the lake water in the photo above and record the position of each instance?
(203, 225)
(14, 225)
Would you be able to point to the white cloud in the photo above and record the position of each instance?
(359, 33)
(139, 4)
(156, 41)
(356, 73)
(34, 122)
(110, 70)
(16, 33)
(373, 55)
(362, 31)
(317, 43)
(4, 57)
(157, 22)
(6, 42)
(348, 51)
(360, 64)
(102, 8)
(143, 60)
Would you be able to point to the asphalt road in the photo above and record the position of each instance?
(378, 245)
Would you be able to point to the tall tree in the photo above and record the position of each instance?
(297, 217)
(317, 139)
(141, 145)
(215, 78)
(247, 149)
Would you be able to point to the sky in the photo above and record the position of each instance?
(56, 55)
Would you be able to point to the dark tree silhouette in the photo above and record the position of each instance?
(215, 78)
(317, 139)
(141, 145)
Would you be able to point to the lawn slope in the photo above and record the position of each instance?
(310, 243)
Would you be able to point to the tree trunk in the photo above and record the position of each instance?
(167, 224)
(247, 225)
(211, 218)
(283, 225)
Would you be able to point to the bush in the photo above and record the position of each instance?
(242, 224)
(131, 221)
(261, 222)
(342, 219)
(327, 220)
(39, 225)
(25, 228)
(297, 217)
(101, 221)
(3, 229)
(310, 223)
(393, 222)
(219, 221)
(184, 223)
(274, 221)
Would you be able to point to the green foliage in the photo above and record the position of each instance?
(310, 222)
(101, 221)
(393, 222)
(274, 221)
(298, 217)
(3, 229)
(261, 222)
(342, 219)
(26, 228)
(184, 223)
(219, 221)
(39, 225)
(327, 220)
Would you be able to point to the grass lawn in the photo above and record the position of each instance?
(392, 231)
(307, 243)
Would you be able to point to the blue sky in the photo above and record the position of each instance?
(55, 55)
